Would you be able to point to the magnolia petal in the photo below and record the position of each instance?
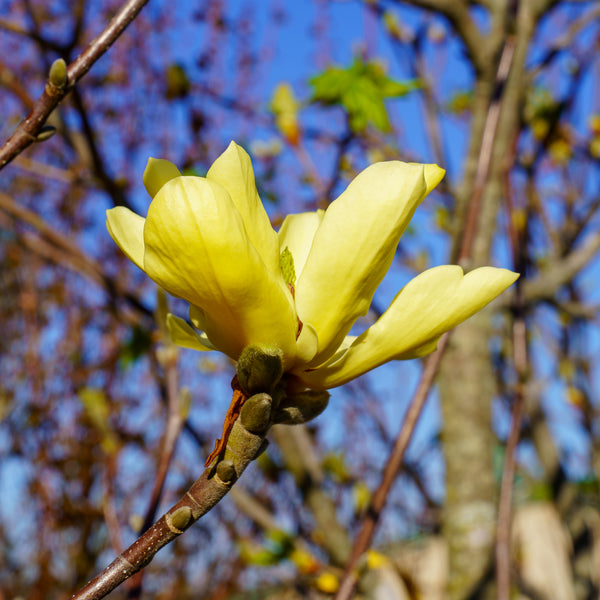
(197, 317)
(429, 305)
(354, 247)
(306, 344)
(423, 350)
(300, 369)
(158, 172)
(127, 230)
(297, 233)
(183, 335)
(233, 171)
(433, 175)
(197, 248)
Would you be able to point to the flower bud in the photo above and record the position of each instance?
(58, 74)
(259, 368)
(226, 471)
(256, 413)
(181, 518)
(45, 133)
(301, 408)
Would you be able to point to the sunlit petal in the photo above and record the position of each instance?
(185, 336)
(127, 230)
(429, 305)
(297, 233)
(233, 171)
(158, 172)
(354, 246)
(197, 248)
(197, 317)
(307, 344)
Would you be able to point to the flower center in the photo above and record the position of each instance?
(286, 261)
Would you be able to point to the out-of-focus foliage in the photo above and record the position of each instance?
(361, 90)
(89, 383)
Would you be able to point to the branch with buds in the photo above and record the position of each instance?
(259, 375)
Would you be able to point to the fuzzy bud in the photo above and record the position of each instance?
(302, 407)
(259, 368)
(58, 74)
(256, 413)
(45, 133)
(226, 471)
(178, 520)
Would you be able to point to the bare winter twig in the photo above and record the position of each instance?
(204, 494)
(30, 127)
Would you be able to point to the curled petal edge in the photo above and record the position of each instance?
(127, 230)
(182, 334)
(431, 304)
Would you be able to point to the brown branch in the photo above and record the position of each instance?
(503, 529)
(175, 421)
(457, 13)
(559, 272)
(9, 80)
(204, 494)
(518, 237)
(486, 149)
(430, 106)
(566, 40)
(44, 170)
(108, 508)
(27, 131)
(367, 530)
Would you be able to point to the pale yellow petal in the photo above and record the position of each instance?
(306, 344)
(233, 171)
(185, 336)
(197, 248)
(354, 247)
(429, 305)
(297, 233)
(197, 317)
(158, 172)
(433, 175)
(127, 230)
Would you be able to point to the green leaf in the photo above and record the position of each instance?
(361, 89)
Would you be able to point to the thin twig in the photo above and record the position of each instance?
(204, 494)
(503, 529)
(518, 241)
(430, 106)
(9, 80)
(27, 131)
(486, 149)
(45, 170)
(365, 536)
(175, 421)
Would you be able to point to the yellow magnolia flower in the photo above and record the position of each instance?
(209, 241)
